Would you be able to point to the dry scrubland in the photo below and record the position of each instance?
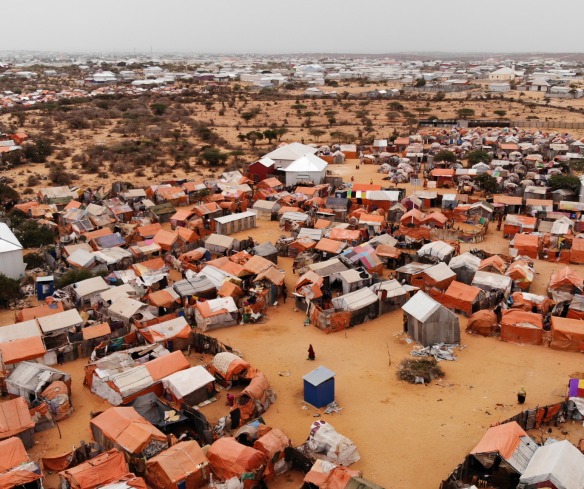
(153, 138)
(399, 428)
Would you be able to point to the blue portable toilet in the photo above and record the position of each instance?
(45, 287)
(319, 387)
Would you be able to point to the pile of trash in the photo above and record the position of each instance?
(439, 351)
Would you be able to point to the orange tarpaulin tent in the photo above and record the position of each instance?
(15, 418)
(23, 349)
(567, 334)
(461, 297)
(522, 327)
(167, 364)
(229, 458)
(107, 468)
(183, 466)
(526, 244)
(13, 454)
(577, 251)
(328, 476)
(39, 311)
(123, 427)
(503, 439)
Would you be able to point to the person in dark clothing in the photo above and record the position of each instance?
(521, 395)
(311, 354)
(284, 293)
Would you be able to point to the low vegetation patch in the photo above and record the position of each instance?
(426, 368)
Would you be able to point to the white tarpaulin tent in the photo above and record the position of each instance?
(559, 463)
(187, 382)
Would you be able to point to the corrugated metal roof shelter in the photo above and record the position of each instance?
(319, 387)
(60, 322)
(234, 223)
(428, 322)
(356, 300)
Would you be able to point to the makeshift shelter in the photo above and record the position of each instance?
(493, 283)
(525, 328)
(319, 387)
(567, 334)
(557, 464)
(365, 256)
(483, 322)
(107, 468)
(436, 251)
(273, 445)
(465, 267)
(325, 443)
(493, 264)
(15, 420)
(576, 307)
(216, 313)
(125, 429)
(162, 415)
(235, 223)
(522, 274)
(14, 352)
(228, 459)
(504, 453)
(353, 279)
(173, 332)
(218, 244)
(326, 475)
(577, 251)
(191, 386)
(182, 466)
(228, 366)
(266, 210)
(407, 272)
(515, 223)
(84, 290)
(268, 251)
(564, 284)
(16, 468)
(29, 379)
(361, 305)
(19, 331)
(462, 298)
(60, 322)
(255, 398)
(436, 277)
(428, 322)
(526, 245)
(392, 295)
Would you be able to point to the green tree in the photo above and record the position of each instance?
(270, 135)
(214, 156)
(253, 137)
(487, 183)
(557, 182)
(465, 113)
(281, 131)
(500, 113)
(396, 106)
(316, 134)
(420, 82)
(478, 156)
(38, 151)
(158, 108)
(7, 194)
(9, 291)
(445, 155)
(31, 234)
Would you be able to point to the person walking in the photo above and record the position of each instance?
(521, 395)
(311, 354)
(284, 293)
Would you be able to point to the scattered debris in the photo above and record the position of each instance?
(440, 351)
(333, 408)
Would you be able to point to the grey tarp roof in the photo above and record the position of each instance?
(421, 306)
(319, 375)
(354, 301)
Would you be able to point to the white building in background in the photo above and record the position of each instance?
(503, 74)
(11, 257)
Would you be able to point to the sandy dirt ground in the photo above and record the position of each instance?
(397, 427)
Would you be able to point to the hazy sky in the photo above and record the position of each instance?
(293, 26)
